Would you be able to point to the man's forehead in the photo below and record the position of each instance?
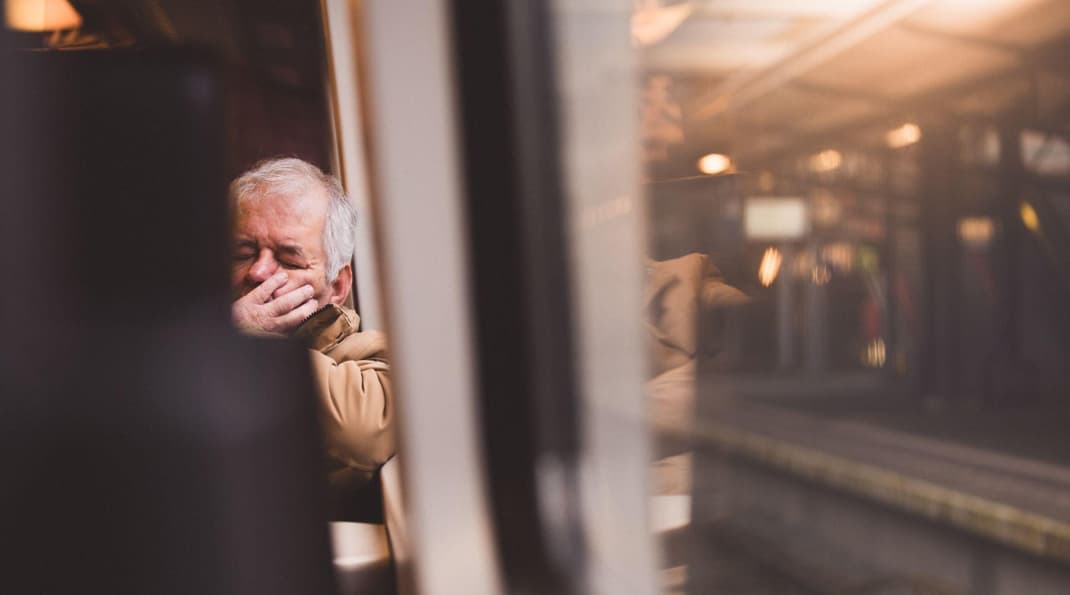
(308, 206)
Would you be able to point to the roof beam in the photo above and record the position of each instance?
(1046, 53)
(751, 85)
(965, 39)
(858, 95)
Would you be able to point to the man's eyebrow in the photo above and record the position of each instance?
(293, 249)
(243, 243)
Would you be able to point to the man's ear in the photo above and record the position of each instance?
(341, 285)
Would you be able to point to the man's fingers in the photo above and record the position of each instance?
(263, 292)
(282, 305)
(291, 285)
(298, 315)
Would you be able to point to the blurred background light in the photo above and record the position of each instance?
(1045, 154)
(875, 353)
(41, 15)
(827, 160)
(904, 136)
(840, 255)
(976, 232)
(1029, 217)
(770, 267)
(820, 275)
(714, 163)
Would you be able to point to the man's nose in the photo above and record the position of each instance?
(264, 267)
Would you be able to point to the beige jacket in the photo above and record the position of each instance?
(356, 401)
(676, 295)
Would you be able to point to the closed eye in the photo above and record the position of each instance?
(292, 265)
(244, 250)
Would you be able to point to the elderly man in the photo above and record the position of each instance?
(293, 244)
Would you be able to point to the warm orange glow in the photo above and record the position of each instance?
(875, 353)
(41, 15)
(827, 160)
(1029, 217)
(714, 163)
(770, 267)
(976, 231)
(840, 255)
(820, 275)
(904, 136)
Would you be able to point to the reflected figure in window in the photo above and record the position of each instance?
(291, 276)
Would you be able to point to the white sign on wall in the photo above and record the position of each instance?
(775, 218)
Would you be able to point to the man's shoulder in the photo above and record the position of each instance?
(363, 345)
(327, 327)
(333, 330)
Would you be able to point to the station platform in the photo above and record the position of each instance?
(845, 488)
(965, 470)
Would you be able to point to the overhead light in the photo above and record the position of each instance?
(904, 136)
(770, 266)
(714, 163)
(827, 160)
(41, 15)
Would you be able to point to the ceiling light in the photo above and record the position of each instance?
(905, 135)
(827, 160)
(714, 163)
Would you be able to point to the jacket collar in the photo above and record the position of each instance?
(327, 327)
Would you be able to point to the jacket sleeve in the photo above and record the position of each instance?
(356, 406)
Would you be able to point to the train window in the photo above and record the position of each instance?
(853, 284)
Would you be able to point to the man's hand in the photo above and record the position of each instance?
(261, 311)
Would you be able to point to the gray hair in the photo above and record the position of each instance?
(289, 177)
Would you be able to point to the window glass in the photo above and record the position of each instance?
(856, 271)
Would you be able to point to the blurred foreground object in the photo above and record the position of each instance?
(150, 449)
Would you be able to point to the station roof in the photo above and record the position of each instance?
(759, 77)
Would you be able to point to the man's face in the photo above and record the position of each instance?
(274, 234)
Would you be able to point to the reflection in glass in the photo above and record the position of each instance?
(874, 411)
